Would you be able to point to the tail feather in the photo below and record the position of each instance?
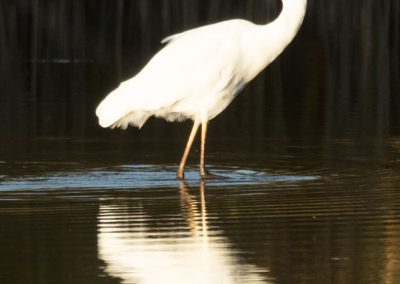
(136, 119)
(116, 110)
(110, 110)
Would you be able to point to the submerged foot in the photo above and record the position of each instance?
(205, 174)
(180, 175)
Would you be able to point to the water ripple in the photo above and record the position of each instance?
(140, 176)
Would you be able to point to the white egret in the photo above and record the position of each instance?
(199, 72)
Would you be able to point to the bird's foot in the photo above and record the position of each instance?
(205, 174)
(180, 175)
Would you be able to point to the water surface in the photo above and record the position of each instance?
(306, 213)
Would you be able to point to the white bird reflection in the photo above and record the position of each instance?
(136, 252)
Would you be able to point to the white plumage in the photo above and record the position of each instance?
(199, 72)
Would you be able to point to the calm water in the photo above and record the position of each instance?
(297, 212)
(310, 151)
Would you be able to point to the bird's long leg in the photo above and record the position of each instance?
(203, 171)
(181, 171)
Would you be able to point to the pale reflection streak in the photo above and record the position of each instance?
(140, 253)
(390, 181)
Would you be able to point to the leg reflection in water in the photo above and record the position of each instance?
(177, 246)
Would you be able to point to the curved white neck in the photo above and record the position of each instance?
(290, 19)
(271, 39)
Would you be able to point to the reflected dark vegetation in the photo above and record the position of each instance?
(339, 78)
(310, 149)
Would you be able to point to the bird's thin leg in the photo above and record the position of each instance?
(203, 171)
(181, 171)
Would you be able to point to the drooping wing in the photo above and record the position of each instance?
(193, 66)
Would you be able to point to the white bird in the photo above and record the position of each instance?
(199, 72)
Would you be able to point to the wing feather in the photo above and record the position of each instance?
(181, 78)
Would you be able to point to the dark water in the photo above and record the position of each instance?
(299, 212)
(310, 151)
